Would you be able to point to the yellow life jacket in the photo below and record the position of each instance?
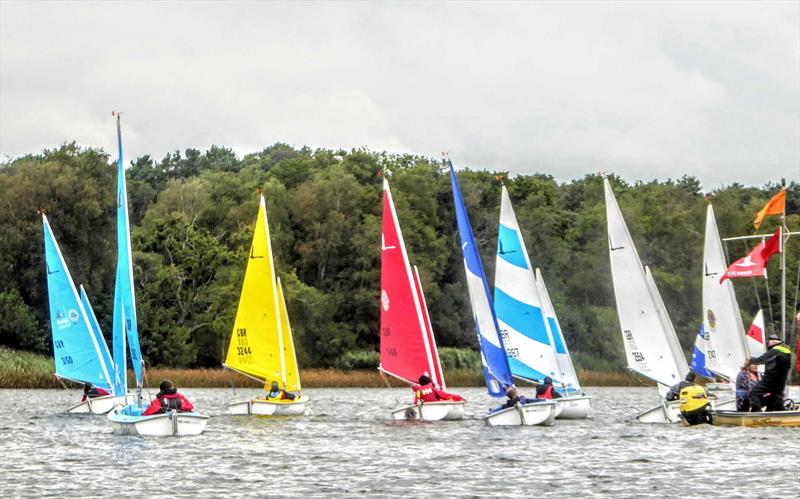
(693, 398)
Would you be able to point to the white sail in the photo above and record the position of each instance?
(528, 344)
(726, 348)
(564, 361)
(651, 347)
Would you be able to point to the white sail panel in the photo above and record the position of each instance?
(726, 348)
(647, 341)
(568, 375)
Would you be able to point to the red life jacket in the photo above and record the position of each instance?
(545, 394)
(426, 393)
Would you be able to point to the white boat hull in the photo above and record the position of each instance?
(574, 407)
(159, 425)
(100, 405)
(669, 412)
(431, 411)
(534, 414)
(263, 407)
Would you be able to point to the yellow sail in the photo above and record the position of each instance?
(255, 347)
(292, 371)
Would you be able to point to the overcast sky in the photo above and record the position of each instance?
(649, 90)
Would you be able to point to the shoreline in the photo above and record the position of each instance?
(22, 378)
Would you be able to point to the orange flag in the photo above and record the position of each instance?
(775, 206)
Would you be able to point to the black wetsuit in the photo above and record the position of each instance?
(777, 363)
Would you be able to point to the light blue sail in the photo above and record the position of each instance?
(97, 332)
(495, 364)
(125, 324)
(76, 351)
(529, 344)
(699, 355)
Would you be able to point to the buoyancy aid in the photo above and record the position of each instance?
(547, 393)
(427, 393)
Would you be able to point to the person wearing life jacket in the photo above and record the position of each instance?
(777, 362)
(546, 390)
(168, 399)
(426, 391)
(277, 393)
(90, 392)
(694, 405)
(674, 392)
(514, 398)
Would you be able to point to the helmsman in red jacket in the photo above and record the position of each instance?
(426, 391)
(168, 399)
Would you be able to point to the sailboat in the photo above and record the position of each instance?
(533, 341)
(651, 345)
(128, 420)
(755, 336)
(262, 346)
(496, 369)
(79, 352)
(408, 348)
(726, 347)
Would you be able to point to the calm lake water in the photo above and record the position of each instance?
(346, 446)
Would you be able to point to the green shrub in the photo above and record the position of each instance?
(460, 358)
(358, 359)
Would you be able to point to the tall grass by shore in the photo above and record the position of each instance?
(28, 370)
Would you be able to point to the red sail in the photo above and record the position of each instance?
(405, 352)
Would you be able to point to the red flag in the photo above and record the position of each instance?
(772, 246)
(752, 265)
(755, 264)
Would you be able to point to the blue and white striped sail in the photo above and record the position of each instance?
(98, 333)
(568, 377)
(528, 343)
(493, 357)
(698, 364)
(125, 324)
(76, 351)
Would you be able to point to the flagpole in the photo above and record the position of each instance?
(783, 278)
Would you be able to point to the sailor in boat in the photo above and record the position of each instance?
(546, 390)
(277, 393)
(168, 399)
(426, 391)
(747, 378)
(90, 392)
(514, 398)
(674, 393)
(777, 362)
(694, 405)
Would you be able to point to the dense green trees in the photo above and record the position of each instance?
(193, 214)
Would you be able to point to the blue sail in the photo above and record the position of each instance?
(529, 344)
(493, 356)
(125, 324)
(76, 352)
(96, 331)
(699, 355)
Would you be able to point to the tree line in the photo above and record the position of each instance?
(192, 216)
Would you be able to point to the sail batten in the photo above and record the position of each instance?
(496, 370)
(651, 347)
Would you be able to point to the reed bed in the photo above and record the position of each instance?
(28, 370)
